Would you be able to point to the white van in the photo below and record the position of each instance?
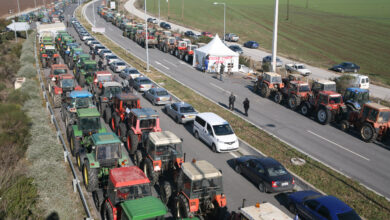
(360, 81)
(215, 131)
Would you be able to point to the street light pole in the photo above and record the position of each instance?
(224, 17)
(146, 41)
(18, 7)
(275, 36)
(159, 11)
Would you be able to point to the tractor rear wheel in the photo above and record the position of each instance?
(149, 171)
(75, 145)
(187, 58)
(132, 142)
(122, 131)
(115, 122)
(82, 80)
(98, 199)
(90, 177)
(324, 115)
(137, 158)
(57, 100)
(294, 102)
(182, 209)
(107, 115)
(165, 192)
(108, 213)
(368, 133)
(79, 161)
(265, 91)
(278, 97)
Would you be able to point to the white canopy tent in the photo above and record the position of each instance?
(215, 53)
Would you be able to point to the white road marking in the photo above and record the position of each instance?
(219, 88)
(162, 65)
(233, 154)
(338, 145)
(181, 62)
(170, 63)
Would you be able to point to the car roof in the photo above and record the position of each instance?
(267, 161)
(212, 118)
(127, 176)
(334, 204)
(182, 104)
(80, 94)
(143, 77)
(158, 89)
(111, 83)
(199, 170)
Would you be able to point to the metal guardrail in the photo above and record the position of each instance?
(76, 181)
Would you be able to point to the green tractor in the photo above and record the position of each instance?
(77, 62)
(85, 73)
(48, 55)
(72, 55)
(88, 123)
(59, 38)
(100, 153)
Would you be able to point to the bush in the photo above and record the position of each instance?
(27, 57)
(17, 97)
(343, 82)
(28, 70)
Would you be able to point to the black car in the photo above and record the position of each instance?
(236, 48)
(267, 173)
(167, 26)
(189, 34)
(346, 67)
(162, 24)
(251, 44)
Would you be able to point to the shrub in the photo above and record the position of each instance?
(343, 82)
(28, 70)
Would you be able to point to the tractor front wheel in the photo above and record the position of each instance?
(165, 192)
(182, 209)
(304, 109)
(75, 145)
(324, 115)
(90, 177)
(57, 100)
(368, 133)
(79, 161)
(137, 158)
(149, 171)
(278, 97)
(344, 125)
(132, 142)
(294, 102)
(108, 213)
(98, 198)
(115, 122)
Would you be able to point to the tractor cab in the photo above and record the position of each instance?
(123, 102)
(191, 48)
(356, 97)
(299, 88)
(182, 45)
(323, 85)
(105, 149)
(58, 69)
(67, 83)
(80, 99)
(269, 83)
(88, 121)
(375, 113)
(145, 120)
(271, 78)
(102, 76)
(171, 41)
(110, 89)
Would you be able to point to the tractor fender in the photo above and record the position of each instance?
(92, 162)
(57, 90)
(78, 88)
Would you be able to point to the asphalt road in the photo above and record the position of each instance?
(257, 54)
(366, 163)
(235, 186)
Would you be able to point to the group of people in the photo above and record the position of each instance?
(232, 99)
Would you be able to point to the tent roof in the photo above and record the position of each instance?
(19, 26)
(217, 48)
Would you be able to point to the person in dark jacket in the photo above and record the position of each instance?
(246, 106)
(221, 70)
(100, 64)
(232, 99)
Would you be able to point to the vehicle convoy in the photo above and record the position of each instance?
(372, 122)
(260, 211)
(76, 100)
(88, 122)
(299, 68)
(327, 106)
(99, 153)
(355, 98)
(296, 93)
(120, 108)
(159, 155)
(103, 100)
(99, 78)
(140, 38)
(269, 84)
(196, 190)
(60, 88)
(128, 196)
(86, 72)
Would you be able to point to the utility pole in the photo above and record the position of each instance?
(288, 10)
(146, 41)
(168, 10)
(35, 3)
(159, 11)
(224, 17)
(182, 10)
(275, 36)
(18, 7)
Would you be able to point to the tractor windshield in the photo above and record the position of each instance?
(147, 123)
(130, 104)
(82, 102)
(90, 67)
(108, 151)
(89, 123)
(276, 79)
(104, 78)
(304, 88)
(67, 83)
(132, 192)
(335, 99)
(112, 91)
(203, 186)
(329, 87)
(59, 71)
(362, 97)
(165, 152)
(384, 117)
(223, 129)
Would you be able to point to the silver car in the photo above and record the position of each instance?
(268, 59)
(158, 96)
(129, 73)
(141, 84)
(181, 112)
(111, 58)
(117, 66)
(104, 53)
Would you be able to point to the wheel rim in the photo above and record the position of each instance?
(71, 144)
(146, 170)
(78, 161)
(261, 187)
(366, 132)
(196, 135)
(292, 103)
(113, 124)
(128, 142)
(304, 109)
(321, 115)
(277, 97)
(86, 175)
(238, 169)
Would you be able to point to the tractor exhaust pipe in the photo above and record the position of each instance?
(184, 157)
(243, 203)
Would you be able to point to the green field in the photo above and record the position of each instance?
(322, 34)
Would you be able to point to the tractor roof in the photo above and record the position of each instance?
(145, 113)
(144, 208)
(300, 83)
(90, 62)
(88, 112)
(163, 138)
(59, 66)
(104, 72)
(377, 106)
(111, 84)
(80, 94)
(84, 55)
(200, 170)
(105, 138)
(357, 90)
(325, 82)
(264, 211)
(127, 176)
(66, 76)
(272, 74)
(126, 96)
(77, 49)
(330, 93)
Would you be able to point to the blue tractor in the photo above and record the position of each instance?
(355, 98)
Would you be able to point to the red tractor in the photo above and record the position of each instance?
(181, 48)
(56, 70)
(189, 53)
(98, 79)
(372, 122)
(60, 88)
(296, 93)
(269, 84)
(121, 105)
(326, 105)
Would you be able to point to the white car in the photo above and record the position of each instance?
(86, 37)
(117, 66)
(298, 67)
(111, 58)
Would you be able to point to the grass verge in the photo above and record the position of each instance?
(364, 201)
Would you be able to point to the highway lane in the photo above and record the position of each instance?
(367, 163)
(236, 187)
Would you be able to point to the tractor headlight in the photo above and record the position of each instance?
(157, 168)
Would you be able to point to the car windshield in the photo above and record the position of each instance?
(187, 109)
(351, 215)
(276, 171)
(147, 123)
(224, 129)
(304, 88)
(384, 117)
(112, 57)
(104, 78)
(133, 192)
(108, 151)
(112, 90)
(90, 67)
(82, 102)
(211, 184)
(168, 150)
(335, 99)
(90, 123)
(59, 71)
(161, 93)
(67, 83)
(145, 81)
(120, 64)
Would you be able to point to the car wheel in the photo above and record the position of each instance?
(262, 187)
(177, 120)
(237, 168)
(214, 148)
(292, 208)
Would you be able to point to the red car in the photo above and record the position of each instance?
(207, 34)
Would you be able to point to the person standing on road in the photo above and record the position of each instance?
(100, 64)
(246, 106)
(221, 70)
(93, 55)
(232, 99)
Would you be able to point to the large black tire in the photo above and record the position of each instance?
(57, 100)
(75, 145)
(137, 158)
(81, 80)
(108, 214)
(44, 63)
(122, 131)
(69, 132)
(98, 198)
(294, 102)
(102, 108)
(132, 142)
(304, 109)
(115, 122)
(165, 192)
(149, 171)
(265, 91)
(107, 115)
(182, 208)
(278, 97)
(324, 116)
(90, 177)
(368, 133)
